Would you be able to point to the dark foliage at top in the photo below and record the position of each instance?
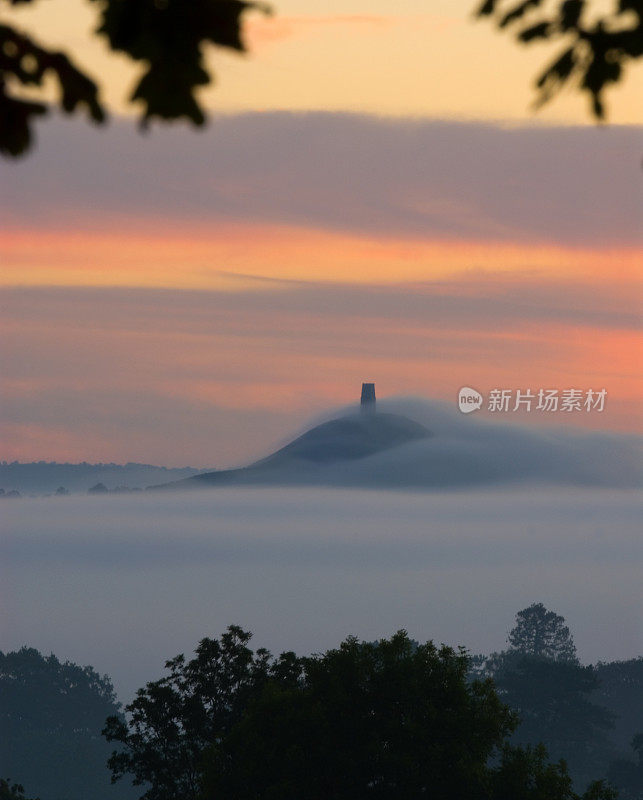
(25, 62)
(596, 46)
(168, 36)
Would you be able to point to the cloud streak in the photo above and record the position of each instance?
(468, 303)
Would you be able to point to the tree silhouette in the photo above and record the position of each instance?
(597, 46)
(383, 720)
(627, 775)
(52, 715)
(554, 701)
(524, 773)
(9, 791)
(169, 36)
(541, 633)
(621, 690)
(173, 721)
(540, 678)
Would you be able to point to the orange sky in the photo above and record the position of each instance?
(413, 57)
(227, 255)
(186, 299)
(213, 378)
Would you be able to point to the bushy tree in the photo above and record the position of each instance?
(627, 775)
(527, 774)
(540, 678)
(384, 720)
(387, 719)
(172, 721)
(11, 791)
(553, 702)
(52, 716)
(620, 688)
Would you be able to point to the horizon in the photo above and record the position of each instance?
(519, 420)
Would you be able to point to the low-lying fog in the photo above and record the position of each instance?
(463, 452)
(125, 582)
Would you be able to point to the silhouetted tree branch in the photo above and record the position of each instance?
(169, 36)
(596, 47)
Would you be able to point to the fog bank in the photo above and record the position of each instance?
(125, 582)
(454, 451)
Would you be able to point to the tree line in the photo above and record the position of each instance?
(386, 719)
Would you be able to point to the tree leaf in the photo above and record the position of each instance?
(539, 31)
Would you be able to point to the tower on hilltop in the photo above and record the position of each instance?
(368, 398)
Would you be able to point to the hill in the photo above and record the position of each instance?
(432, 445)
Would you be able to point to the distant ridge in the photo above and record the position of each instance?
(45, 477)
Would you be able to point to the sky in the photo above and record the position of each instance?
(373, 199)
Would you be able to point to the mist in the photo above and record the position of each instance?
(126, 582)
(454, 451)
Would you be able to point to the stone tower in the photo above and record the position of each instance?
(368, 398)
